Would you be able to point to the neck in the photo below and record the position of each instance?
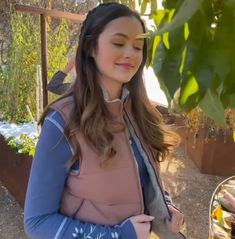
(111, 92)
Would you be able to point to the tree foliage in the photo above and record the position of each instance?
(18, 79)
(24, 53)
(195, 54)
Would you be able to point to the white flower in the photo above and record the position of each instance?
(74, 235)
(114, 235)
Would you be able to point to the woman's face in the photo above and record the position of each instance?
(119, 52)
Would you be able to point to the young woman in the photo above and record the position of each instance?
(95, 170)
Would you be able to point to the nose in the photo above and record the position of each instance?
(129, 52)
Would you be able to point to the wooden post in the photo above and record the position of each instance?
(39, 92)
(38, 75)
(44, 58)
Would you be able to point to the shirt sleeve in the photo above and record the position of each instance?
(56, 84)
(48, 175)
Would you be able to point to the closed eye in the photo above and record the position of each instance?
(138, 48)
(118, 44)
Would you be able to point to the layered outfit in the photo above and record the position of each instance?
(96, 202)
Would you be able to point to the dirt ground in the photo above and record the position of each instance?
(190, 190)
(11, 217)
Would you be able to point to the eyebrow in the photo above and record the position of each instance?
(125, 36)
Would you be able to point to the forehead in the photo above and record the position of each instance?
(129, 26)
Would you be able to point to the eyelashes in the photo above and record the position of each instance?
(121, 45)
(118, 44)
(138, 48)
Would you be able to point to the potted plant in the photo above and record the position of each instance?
(209, 144)
(15, 161)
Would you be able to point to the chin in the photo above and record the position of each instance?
(124, 79)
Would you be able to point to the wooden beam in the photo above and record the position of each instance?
(44, 58)
(50, 12)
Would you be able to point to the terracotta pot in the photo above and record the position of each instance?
(14, 171)
(213, 156)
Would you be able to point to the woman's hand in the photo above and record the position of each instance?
(70, 65)
(177, 219)
(142, 225)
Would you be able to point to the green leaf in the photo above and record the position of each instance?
(176, 39)
(194, 42)
(189, 88)
(230, 3)
(218, 214)
(171, 4)
(144, 35)
(159, 57)
(186, 11)
(234, 135)
(212, 106)
(167, 68)
(132, 4)
(228, 100)
(143, 6)
(158, 65)
(152, 43)
(232, 101)
(166, 64)
(191, 51)
(204, 78)
(221, 63)
(228, 83)
(158, 16)
(153, 6)
(186, 31)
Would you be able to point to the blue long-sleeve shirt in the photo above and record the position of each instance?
(46, 184)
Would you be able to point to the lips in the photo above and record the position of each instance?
(126, 66)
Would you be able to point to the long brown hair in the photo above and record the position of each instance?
(90, 113)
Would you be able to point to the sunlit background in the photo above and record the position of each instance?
(153, 89)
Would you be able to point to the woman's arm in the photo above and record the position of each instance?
(48, 175)
(56, 84)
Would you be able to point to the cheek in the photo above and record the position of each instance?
(113, 54)
(108, 55)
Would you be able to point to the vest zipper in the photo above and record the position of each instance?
(157, 179)
(137, 175)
